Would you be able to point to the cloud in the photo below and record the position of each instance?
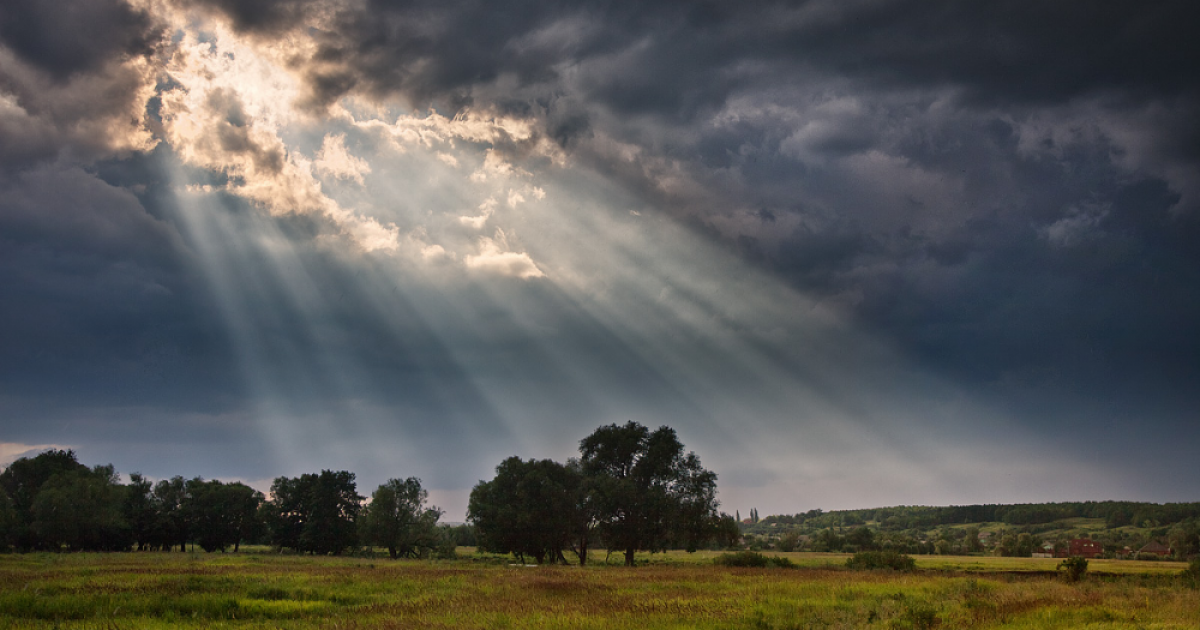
(333, 159)
(486, 209)
(12, 451)
(1005, 194)
(224, 116)
(494, 259)
(76, 37)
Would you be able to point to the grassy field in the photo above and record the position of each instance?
(251, 590)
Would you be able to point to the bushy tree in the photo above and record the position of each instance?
(1185, 539)
(172, 525)
(8, 522)
(727, 534)
(221, 515)
(531, 508)
(23, 481)
(861, 539)
(645, 489)
(80, 510)
(398, 519)
(315, 513)
(137, 509)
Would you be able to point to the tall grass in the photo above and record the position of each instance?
(154, 590)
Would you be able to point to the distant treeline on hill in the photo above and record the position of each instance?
(1114, 513)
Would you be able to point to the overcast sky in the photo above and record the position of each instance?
(856, 252)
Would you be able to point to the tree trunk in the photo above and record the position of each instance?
(393, 553)
(629, 557)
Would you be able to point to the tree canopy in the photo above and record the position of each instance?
(633, 488)
(398, 519)
(646, 490)
(531, 508)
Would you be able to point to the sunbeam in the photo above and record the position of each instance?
(335, 236)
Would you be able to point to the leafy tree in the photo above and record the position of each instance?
(172, 525)
(80, 510)
(1185, 539)
(245, 503)
(827, 540)
(861, 538)
(138, 510)
(222, 514)
(645, 489)
(972, 539)
(727, 533)
(1075, 568)
(315, 513)
(530, 508)
(398, 519)
(1025, 545)
(23, 480)
(462, 535)
(8, 522)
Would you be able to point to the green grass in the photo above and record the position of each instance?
(674, 590)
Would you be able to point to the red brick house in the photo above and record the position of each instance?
(1082, 548)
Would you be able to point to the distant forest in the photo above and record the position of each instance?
(1115, 514)
(1124, 529)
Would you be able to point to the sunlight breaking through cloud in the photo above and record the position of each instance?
(844, 283)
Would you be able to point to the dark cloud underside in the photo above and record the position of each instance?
(1007, 193)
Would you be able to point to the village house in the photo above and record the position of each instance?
(1081, 548)
(1156, 548)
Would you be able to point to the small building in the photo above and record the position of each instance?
(1045, 551)
(1156, 548)
(1082, 548)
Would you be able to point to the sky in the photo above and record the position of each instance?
(857, 253)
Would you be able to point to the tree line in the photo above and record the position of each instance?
(1115, 514)
(52, 502)
(631, 489)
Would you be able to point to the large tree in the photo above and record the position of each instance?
(81, 510)
(23, 481)
(222, 514)
(646, 490)
(398, 519)
(172, 523)
(531, 508)
(137, 509)
(315, 513)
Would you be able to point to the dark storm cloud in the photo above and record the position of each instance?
(72, 36)
(96, 305)
(677, 58)
(1028, 211)
(1007, 191)
(260, 16)
(923, 150)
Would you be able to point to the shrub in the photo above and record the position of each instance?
(1191, 575)
(882, 560)
(1075, 568)
(751, 559)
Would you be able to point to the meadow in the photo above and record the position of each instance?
(674, 590)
